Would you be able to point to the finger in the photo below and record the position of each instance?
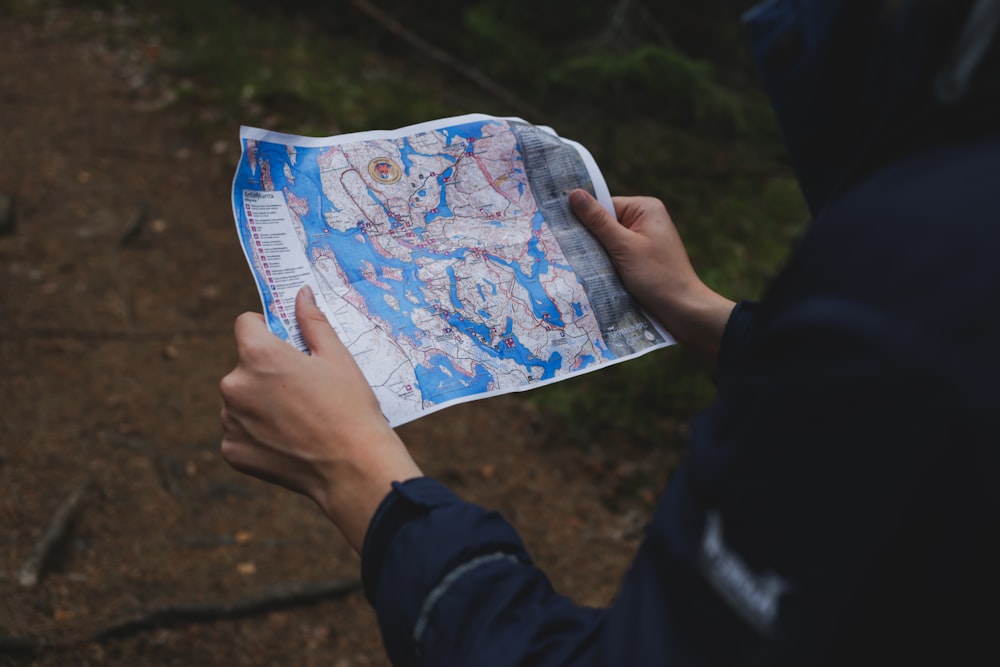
(625, 209)
(249, 327)
(636, 210)
(231, 427)
(254, 341)
(316, 330)
(236, 451)
(231, 390)
(596, 218)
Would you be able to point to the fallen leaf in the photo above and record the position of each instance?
(246, 568)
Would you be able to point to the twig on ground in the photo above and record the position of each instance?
(21, 646)
(134, 227)
(6, 215)
(279, 597)
(33, 568)
(442, 57)
(272, 599)
(168, 469)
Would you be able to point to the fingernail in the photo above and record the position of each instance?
(309, 294)
(579, 198)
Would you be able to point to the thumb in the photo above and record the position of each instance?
(316, 330)
(596, 218)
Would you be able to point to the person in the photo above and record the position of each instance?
(838, 503)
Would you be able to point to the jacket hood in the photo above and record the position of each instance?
(846, 77)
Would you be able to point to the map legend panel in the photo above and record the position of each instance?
(277, 258)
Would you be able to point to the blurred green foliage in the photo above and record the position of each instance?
(666, 96)
(663, 93)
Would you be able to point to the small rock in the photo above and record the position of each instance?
(278, 617)
(210, 292)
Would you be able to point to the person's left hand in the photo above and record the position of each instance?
(310, 423)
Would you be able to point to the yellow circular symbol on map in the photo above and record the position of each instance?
(384, 170)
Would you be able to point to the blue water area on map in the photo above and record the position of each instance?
(508, 346)
(441, 381)
(406, 153)
(442, 210)
(353, 250)
(577, 309)
(453, 289)
(404, 156)
(541, 303)
(473, 130)
(374, 197)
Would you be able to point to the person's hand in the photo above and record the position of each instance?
(650, 258)
(309, 422)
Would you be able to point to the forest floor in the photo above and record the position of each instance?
(119, 284)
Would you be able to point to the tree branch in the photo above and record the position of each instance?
(443, 58)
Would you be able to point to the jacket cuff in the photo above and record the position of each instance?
(738, 334)
(406, 501)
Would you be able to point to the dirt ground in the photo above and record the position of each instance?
(118, 287)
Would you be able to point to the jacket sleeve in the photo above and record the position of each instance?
(738, 334)
(452, 584)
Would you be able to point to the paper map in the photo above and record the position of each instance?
(444, 254)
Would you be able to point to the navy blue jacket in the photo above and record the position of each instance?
(839, 504)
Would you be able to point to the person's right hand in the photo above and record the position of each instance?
(647, 251)
(310, 422)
